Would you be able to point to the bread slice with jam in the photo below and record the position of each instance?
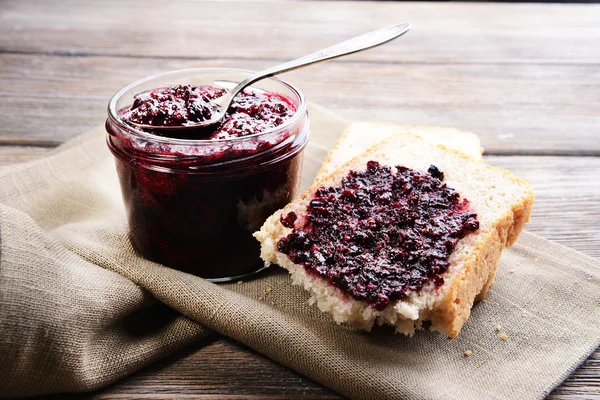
(359, 136)
(406, 232)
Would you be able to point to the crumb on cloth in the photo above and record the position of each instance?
(265, 293)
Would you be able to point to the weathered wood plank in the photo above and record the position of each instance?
(515, 108)
(567, 198)
(468, 32)
(17, 154)
(566, 210)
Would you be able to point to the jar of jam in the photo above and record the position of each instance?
(195, 196)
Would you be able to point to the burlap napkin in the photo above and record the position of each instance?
(77, 306)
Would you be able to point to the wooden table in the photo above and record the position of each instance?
(526, 78)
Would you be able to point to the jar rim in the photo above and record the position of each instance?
(113, 114)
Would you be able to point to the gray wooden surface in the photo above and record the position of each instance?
(525, 77)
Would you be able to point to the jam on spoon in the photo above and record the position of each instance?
(250, 112)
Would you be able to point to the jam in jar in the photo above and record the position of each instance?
(195, 196)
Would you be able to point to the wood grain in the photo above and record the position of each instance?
(567, 198)
(462, 33)
(18, 154)
(515, 108)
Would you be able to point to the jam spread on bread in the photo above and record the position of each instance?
(381, 234)
(250, 112)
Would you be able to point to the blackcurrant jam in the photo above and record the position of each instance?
(195, 196)
(381, 234)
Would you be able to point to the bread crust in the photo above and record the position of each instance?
(449, 306)
(479, 272)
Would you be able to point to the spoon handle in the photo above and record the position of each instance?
(354, 45)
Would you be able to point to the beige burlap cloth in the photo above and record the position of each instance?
(79, 308)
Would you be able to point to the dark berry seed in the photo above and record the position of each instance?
(289, 219)
(436, 172)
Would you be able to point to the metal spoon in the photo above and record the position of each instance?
(354, 45)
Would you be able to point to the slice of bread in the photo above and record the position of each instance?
(359, 136)
(501, 200)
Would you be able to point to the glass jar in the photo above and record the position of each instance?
(194, 204)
